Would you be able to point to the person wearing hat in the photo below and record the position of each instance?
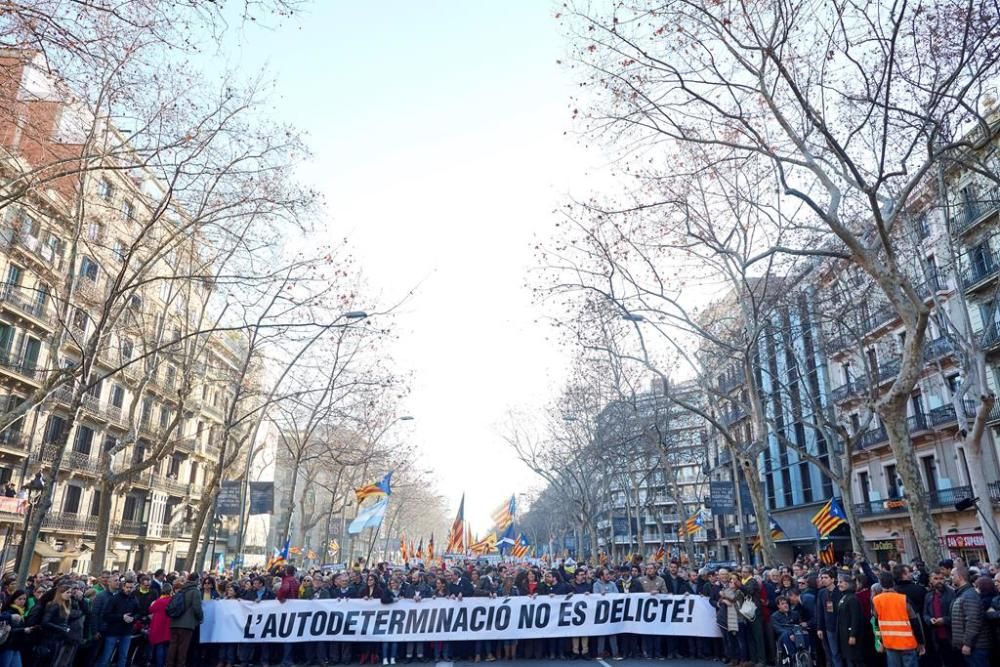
(827, 598)
(850, 622)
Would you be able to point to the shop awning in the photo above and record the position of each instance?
(46, 550)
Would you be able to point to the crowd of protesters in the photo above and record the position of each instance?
(838, 616)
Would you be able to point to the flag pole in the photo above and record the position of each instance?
(371, 546)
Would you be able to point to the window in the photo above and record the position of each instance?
(168, 377)
(930, 473)
(892, 485)
(95, 504)
(105, 190)
(71, 500)
(165, 290)
(117, 396)
(118, 249)
(805, 473)
(84, 438)
(864, 484)
(80, 320)
(126, 349)
(94, 231)
(128, 210)
(174, 466)
(89, 269)
(138, 453)
(54, 429)
(164, 416)
(132, 509)
(110, 442)
(29, 226)
(193, 478)
(14, 275)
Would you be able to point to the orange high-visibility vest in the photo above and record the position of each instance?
(894, 621)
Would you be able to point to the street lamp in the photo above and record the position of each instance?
(633, 317)
(33, 491)
(967, 504)
(355, 315)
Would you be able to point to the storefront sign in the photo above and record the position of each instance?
(968, 541)
(884, 545)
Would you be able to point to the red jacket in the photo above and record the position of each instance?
(159, 622)
(289, 589)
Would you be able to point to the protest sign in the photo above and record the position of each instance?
(442, 619)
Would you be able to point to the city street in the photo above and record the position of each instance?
(682, 662)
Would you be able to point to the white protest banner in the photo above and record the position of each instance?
(442, 619)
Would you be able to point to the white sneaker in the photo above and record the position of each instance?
(385, 661)
(392, 661)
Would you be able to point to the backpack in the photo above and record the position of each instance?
(177, 605)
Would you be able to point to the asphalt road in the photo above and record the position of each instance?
(681, 662)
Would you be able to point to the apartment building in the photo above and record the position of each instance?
(660, 479)
(954, 269)
(144, 374)
(790, 374)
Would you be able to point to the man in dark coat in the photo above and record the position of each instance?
(850, 623)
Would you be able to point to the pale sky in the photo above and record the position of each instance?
(440, 138)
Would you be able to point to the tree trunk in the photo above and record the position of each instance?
(894, 417)
(759, 511)
(977, 478)
(858, 543)
(103, 528)
(44, 504)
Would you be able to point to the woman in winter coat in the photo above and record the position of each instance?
(731, 622)
(850, 624)
(159, 626)
(57, 615)
(755, 626)
(20, 639)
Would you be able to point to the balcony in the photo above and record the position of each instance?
(88, 290)
(994, 488)
(983, 268)
(18, 365)
(179, 530)
(14, 440)
(15, 298)
(971, 213)
(36, 249)
(186, 444)
(989, 338)
(888, 370)
(63, 521)
(939, 499)
(732, 416)
(130, 527)
(879, 316)
(937, 349)
(729, 383)
(873, 437)
(945, 414)
(851, 388)
(72, 461)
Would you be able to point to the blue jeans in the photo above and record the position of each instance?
(901, 658)
(980, 657)
(110, 644)
(832, 649)
(390, 650)
(160, 654)
(10, 658)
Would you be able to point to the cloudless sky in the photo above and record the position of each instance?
(439, 133)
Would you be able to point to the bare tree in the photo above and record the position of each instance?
(849, 114)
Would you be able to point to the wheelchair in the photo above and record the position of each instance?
(794, 649)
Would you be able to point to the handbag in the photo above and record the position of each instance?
(748, 609)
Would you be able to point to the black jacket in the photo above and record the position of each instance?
(850, 624)
(112, 621)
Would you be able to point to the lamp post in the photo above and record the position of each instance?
(33, 491)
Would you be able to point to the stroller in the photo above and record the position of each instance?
(794, 649)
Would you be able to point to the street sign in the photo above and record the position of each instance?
(722, 497)
(227, 503)
(261, 497)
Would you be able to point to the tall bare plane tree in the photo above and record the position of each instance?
(850, 113)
